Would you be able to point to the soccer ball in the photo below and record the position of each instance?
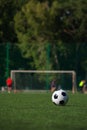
(60, 97)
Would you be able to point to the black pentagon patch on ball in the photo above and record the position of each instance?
(63, 93)
(55, 96)
(62, 102)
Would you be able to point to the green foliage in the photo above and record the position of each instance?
(8, 9)
(53, 22)
(31, 29)
(36, 24)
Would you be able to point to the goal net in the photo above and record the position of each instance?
(41, 80)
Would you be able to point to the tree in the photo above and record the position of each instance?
(58, 23)
(74, 21)
(31, 34)
(8, 9)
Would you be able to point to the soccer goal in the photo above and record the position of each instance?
(41, 79)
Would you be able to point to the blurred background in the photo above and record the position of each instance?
(43, 35)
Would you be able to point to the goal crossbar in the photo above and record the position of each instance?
(43, 71)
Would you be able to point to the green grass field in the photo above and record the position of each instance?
(35, 111)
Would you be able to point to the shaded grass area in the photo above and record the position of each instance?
(31, 111)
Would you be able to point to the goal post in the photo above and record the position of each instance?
(40, 79)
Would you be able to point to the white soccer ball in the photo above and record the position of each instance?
(60, 97)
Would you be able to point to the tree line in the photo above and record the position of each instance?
(44, 34)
